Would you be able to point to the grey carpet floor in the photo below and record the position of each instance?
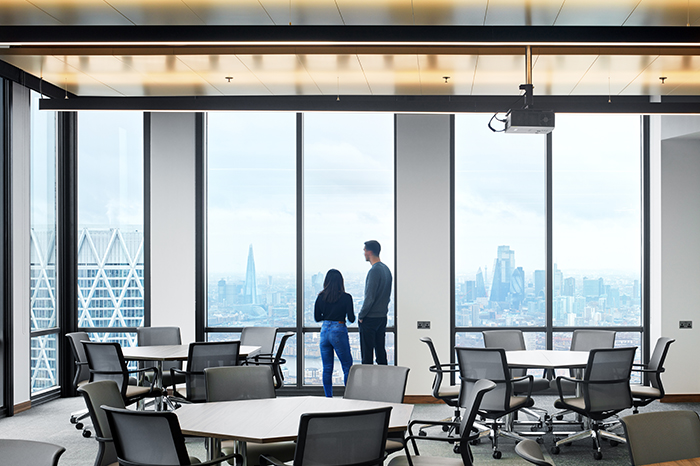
(49, 422)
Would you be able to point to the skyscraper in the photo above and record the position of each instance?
(540, 282)
(569, 287)
(250, 292)
(503, 269)
(480, 285)
(517, 285)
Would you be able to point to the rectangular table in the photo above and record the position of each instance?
(547, 359)
(271, 420)
(688, 462)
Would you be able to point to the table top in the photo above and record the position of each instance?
(273, 419)
(171, 352)
(547, 359)
(688, 462)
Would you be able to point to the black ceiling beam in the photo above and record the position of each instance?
(17, 75)
(383, 103)
(525, 35)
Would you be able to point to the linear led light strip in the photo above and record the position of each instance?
(347, 43)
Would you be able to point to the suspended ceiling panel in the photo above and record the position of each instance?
(352, 12)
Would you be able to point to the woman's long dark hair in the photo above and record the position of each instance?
(333, 286)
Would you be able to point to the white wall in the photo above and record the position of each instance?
(679, 242)
(173, 222)
(422, 243)
(21, 124)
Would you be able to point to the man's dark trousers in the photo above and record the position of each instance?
(372, 334)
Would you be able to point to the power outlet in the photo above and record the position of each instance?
(685, 324)
(423, 325)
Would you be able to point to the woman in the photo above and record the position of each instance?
(332, 306)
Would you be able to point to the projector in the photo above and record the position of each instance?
(529, 121)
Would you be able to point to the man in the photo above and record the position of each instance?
(372, 317)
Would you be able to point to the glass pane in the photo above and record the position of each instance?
(597, 220)
(44, 370)
(43, 218)
(252, 220)
(289, 369)
(562, 342)
(348, 199)
(110, 219)
(499, 226)
(313, 366)
(468, 340)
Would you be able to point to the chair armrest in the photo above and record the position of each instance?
(147, 369)
(530, 378)
(270, 460)
(221, 459)
(649, 371)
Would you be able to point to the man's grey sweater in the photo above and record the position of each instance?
(377, 292)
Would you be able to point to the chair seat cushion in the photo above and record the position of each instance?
(566, 386)
(401, 460)
(392, 446)
(133, 391)
(521, 401)
(538, 384)
(641, 391)
(283, 451)
(578, 403)
(451, 391)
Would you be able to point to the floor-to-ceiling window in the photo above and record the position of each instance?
(500, 229)
(500, 220)
(110, 225)
(251, 230)
(348, 199)
(43, 303)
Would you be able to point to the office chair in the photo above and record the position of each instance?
(106, 362)
(202, 355)
(246, 383)
(29, 453)
(605, 390)
(642, 395)
(379, 383)
(275, 362)
(82, 375)
(159, 336)
(471, 403)
(447, 394)
(491, 364)
(151, 438)
(264, 337)
(662, 436)
(530, 451)
(332, 439)
(97, 394)
(513, 340)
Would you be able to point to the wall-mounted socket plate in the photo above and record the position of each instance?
(685, 324)
(423, 325)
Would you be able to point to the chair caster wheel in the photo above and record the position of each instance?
(540, 440)
(555, 450)
(79, 425)
(559, 417)
(497, 455)
(422, 433)
(445, 428)
(475, 442)
(550, 428)
(456, 449)
(87, 433)
(614, 443)
(597, 455)
(73, 420)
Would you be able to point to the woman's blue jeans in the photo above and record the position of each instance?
(334, 336)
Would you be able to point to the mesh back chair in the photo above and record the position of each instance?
(605, 391)
(448, 394)
(200, 356)
(643, 395)
(530, 451)
(264, 337)
(29, 453)
(246, 383)
(159, 336)
(379, 383)
(150, 438)
(106, 362)
(471, 403)
(82, 375)
(491, 364)
(662, 436)
(275, 362)
(324, 439)
(97, 394)
(513, 340)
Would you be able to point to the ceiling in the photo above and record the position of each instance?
(115, 71)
